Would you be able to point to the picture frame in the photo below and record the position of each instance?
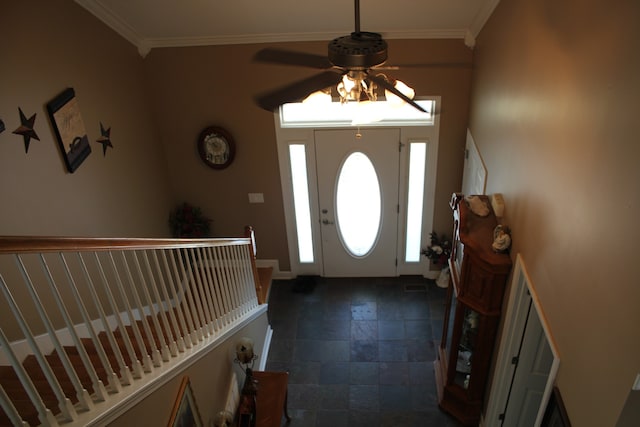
(555, 414)
(216, 147)
(69, 128)
(185, 410)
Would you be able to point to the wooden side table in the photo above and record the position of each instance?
(271, 399)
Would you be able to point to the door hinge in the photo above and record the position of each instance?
(466, 154)
(515, 360)
(400, 145)
(501, 417)
(398, 208)
(396, 262)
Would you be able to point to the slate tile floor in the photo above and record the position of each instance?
(359, 351)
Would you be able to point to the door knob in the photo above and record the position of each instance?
(327, 222)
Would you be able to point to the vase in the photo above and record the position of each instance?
(443, 279)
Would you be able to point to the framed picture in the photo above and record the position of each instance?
(555, 414)
(216, 147)
(185, 411)
(67, 123)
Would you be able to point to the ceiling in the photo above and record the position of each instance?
(164, 23)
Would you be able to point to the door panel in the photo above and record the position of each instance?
(380, 149)
(530, 379)
(474, 177)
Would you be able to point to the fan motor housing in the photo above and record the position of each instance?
(358, 51)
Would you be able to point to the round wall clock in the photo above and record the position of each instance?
(216, 147)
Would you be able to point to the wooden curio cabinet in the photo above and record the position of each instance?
(473, 309)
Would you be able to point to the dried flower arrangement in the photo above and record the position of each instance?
(439, 250)
(188, 221)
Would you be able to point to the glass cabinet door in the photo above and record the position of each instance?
(466, 347)
(449, 320)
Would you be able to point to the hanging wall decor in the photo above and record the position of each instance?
(105, 139)
(26, 129)
(216, 147)
(65, 117)
(185, 410)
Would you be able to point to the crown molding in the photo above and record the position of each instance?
(481, 18)
(295, 37)
(144, 45)
(112, 21)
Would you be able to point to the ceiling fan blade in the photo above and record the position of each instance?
(299, 90)
(289, 57)
(425, 65)
(383, 82)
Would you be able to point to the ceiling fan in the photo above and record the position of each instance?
(350, 66)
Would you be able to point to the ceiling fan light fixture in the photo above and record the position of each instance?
(394, 100)
(355, 87)
(320, 97)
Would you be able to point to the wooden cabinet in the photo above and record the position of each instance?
(474, 305)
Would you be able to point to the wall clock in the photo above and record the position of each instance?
(216, 147)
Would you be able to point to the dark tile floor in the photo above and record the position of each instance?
(359, 351)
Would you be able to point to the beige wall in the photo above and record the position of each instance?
(553, 112)
(193, 88)
(130, 191)
(48, 46)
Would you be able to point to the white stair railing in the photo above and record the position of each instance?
(110, 311)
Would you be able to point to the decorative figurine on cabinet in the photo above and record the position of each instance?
(501, 239)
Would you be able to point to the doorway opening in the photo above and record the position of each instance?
(527, 361)
(352, 191)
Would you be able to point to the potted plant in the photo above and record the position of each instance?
(438, 253)
(189, 221)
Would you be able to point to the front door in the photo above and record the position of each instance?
(357, 175)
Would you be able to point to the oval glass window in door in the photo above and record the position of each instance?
(358, 204)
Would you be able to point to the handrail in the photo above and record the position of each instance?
(35, 244)
(139, 304)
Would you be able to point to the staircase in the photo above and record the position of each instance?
(193, 292)
(11, 384)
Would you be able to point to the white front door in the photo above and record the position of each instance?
(357, 181)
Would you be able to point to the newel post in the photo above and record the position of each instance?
(249, 233)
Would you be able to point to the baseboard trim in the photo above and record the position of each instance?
(275, 265)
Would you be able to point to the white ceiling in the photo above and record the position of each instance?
(164, 23)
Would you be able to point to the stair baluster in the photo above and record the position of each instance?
(100, 393)
(137, 367)
(10, 409)
(82, 394)
(44, 414)
(151, 356)
(165, 335)
(175, 337)
(64, 403)
(194, 299)
(182, 299)
(114, 382)
(136, 370)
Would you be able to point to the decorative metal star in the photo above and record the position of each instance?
(105, 139)
(26, 129)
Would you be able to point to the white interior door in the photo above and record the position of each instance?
(532, 372)
(474, 176)
(519, 393)
(358, 200)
